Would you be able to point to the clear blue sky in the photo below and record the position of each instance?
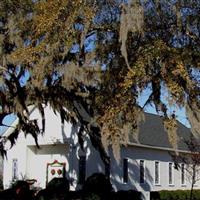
(179, 112)
(7, 121)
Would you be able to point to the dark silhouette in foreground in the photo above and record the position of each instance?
(97, 185)
(19, 191)
(57, 188)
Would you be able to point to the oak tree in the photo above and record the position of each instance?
(90, 61)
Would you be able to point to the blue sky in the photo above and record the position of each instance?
(7, 121)
(178, 111)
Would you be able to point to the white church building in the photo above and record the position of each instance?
(145, 166)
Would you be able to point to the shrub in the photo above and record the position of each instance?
(57, 188)
(74, 195)
(175, 195)
(8, 194)
(97, 184)
(196, 194)
(92, 196)
(58, 184)
(20, 190)
(154, 195)
(127, 195)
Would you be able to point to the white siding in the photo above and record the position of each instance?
(38, 159)
(18, 152)
(60, 143)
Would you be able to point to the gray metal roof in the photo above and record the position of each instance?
(152, 133)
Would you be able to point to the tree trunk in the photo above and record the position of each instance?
(191, 191)
(193, 181)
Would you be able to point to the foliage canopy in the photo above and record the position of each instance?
(90, 61)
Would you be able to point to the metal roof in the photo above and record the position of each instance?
(152, 133)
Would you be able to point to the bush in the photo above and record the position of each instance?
(196, 194)
(126, 195)
(8, 194)
(20, 190)
(57, 188)
(175, 195)
(97, 186)
(58, 184)
(93, 196)
(75, 195)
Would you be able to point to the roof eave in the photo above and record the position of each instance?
(157, 148)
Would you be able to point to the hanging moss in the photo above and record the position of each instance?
(131, 20)
(193, 114)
